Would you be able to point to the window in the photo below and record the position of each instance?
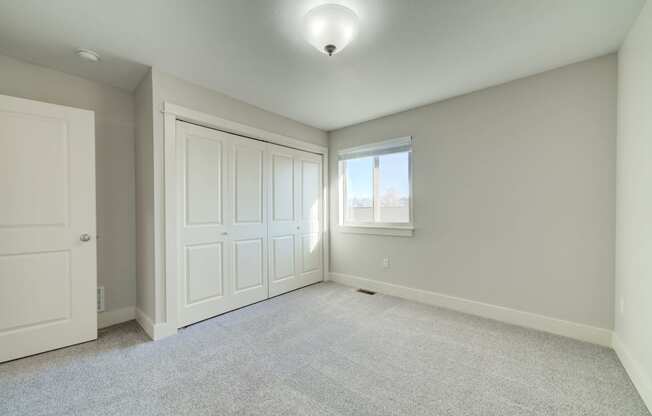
(376, 188)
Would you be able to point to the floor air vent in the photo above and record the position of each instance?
(366, 292)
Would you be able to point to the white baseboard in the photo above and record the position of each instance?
(556, 326)
(154, 331)
(635, 371)
(145, 322)
(115, 316)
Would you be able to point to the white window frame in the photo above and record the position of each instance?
(375, 150)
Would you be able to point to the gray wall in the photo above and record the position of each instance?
(514, 190)
(145, 196)
(634, 205)
(114, 147)
(178, 91)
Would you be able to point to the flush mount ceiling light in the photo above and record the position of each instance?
(330, 27)
(88, 55)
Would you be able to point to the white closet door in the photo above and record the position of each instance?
(285, 181)
(248, 222)
(310, 219)
(222, 227)
(48, 263)
(295, 218)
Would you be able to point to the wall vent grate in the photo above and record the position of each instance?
(366, 292)
(100, 298)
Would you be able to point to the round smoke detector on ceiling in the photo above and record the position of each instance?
(330, 27)
(88, 55)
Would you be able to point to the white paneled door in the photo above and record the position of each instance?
(222, 224)
(250, 218)
(47, 227)
(295, 219)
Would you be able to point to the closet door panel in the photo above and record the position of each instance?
(248, 230)
(203, 263)
(283, 224)
(248, 264)
(311, 192)
(282, 187)
(295, 219)
(248, 183)
(311, 217)
(282, 257)
(203, 184)
(204, 272)
(222, 227)
(310, 253)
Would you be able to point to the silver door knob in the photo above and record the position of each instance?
(298, 228)
(85, 237)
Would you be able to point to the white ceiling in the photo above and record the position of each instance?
(408, 52)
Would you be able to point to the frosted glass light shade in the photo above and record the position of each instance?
(330, 27)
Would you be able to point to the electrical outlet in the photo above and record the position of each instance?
(100, 298)
(386, 263)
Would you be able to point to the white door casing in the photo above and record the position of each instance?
(48, 273)
(295, 219)
(222, 224)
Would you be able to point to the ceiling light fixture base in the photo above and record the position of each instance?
(330, 49)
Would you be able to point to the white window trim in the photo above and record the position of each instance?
(375, 228)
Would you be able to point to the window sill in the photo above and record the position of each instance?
(396, 231)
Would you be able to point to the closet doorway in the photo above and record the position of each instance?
(250, 221)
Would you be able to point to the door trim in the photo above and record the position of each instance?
(165, 200)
